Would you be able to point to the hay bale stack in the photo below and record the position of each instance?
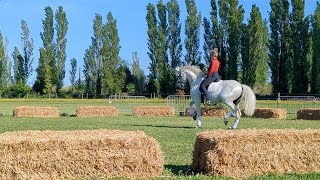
(309, 114)
(209, 111)
(277, 113)
(96, 111)
(243, 153)
(153, 111)
(31, 111)
(79, 154)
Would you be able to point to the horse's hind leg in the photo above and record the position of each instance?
(226, 118)
(191, 111)
(198, 114)
(235, 110)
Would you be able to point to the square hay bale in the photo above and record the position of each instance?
(79, 154)
(32, 111)
(209, 111)
(244, 153)
(153, 111)
(277, 113)
(96, 111)
(309, 114)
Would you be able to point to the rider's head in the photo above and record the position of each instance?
(214, 52)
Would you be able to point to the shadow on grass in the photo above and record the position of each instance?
(163, 126)
(179, 170)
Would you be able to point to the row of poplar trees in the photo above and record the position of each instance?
(103, 71)
(51, 65)
(288, 52)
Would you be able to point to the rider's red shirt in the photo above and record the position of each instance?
(214, 66)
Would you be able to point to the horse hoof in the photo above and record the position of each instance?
(194, 117)
(231, 127)
(226, 122)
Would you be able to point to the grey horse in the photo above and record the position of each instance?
(230, 92)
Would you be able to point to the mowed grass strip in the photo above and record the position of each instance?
(176, 134)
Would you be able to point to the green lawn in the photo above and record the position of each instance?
(176, 135)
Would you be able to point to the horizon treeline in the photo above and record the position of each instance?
(278, 54)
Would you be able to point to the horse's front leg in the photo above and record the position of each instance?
(198, 113)
(194, 116)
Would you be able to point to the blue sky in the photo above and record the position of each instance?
(130, 16)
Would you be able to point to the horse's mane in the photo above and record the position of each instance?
(195, 69)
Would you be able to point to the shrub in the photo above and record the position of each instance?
(16, 90)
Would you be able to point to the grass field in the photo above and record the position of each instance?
(176, 135)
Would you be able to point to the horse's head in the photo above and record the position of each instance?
(181, 78)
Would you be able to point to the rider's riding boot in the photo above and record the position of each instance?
(206, 100)
(202, 97)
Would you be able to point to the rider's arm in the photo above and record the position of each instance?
(210, 71)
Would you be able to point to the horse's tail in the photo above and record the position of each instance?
(249, 100)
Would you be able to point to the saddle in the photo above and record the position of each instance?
(216, 80)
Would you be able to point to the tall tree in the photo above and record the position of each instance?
(61, 42)
(235, 19)
(162, 48)
(137, 73)
(79, 82)
(44, 72)
(114, 72)
(97, 44)
(153, 84)
(174, 41)
(73, 72)
(246, 65)
(279, 46)
(90, 71)
(27, 50)
(47, 62)
(222, 34)
(315, 68)
(255, 50)
(300, 29)
(5, 77)
(18, 67)
(208, 40)
(216, 39)
(23, 63)
(192, 32)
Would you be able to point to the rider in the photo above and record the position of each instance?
(212, 72)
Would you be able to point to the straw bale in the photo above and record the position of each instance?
(153, 111)
(96, 111)
(79, 154)
(32, 111)
(244, 153)
(277, 113)
(309, 114)
(209, 111)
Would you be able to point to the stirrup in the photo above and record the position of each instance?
(206, 101)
